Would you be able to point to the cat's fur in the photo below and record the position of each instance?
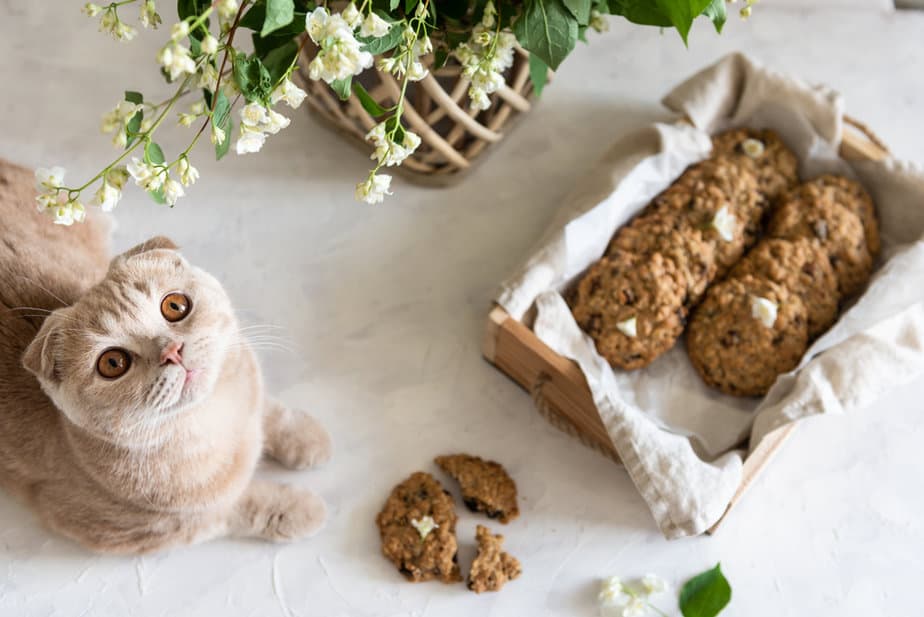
(156, 457)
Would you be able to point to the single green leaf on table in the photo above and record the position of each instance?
(706, 594)
(153, 154)
(386, 43)
(369, 104)
(221, 119)
(580, 9)
(716, 13)
(342, 87)
(548, 29)
(279, 13)
(538, 73)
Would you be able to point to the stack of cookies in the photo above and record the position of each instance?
(757, 324)
(635, 300)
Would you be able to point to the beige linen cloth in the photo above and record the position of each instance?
(677, 437)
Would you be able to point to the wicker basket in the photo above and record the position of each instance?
(452, 135)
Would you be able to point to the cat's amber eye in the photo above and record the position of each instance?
(113, 363)
(175, 306)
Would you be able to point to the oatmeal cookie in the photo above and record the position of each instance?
(763, 153)
(837, 230)
(848, 193)
(746, 332)
(677, 240)
(632, 307)
(486, 486)
(492, 567)
(802, 267)
(419, 552)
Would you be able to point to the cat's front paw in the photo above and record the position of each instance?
(298, 441)
(293, 513)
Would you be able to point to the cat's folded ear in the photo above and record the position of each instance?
(40, 356)
(157, 242)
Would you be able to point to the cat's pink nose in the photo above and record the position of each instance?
(172, 353)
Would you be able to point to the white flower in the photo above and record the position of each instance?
(634, 608)
(387, 151)
(91, 10)
(249, 141)
(117, 176)
(146, 176)
(628, 327)
(612, 592)
(288, 92)
(209, 45)
(764, 311)
(226, 8)
(253, 115)
(416, 71)
(116, 121)
(652, 583)
(374, 26)
(172, 191)
(424, 526)
(107, 197)
(275, 122)
(351, 16)
(149, 15)
(339, 55)
(754, 148)
(180, 30)
(485, 58)
(725, 223)
(487, 18)
(598, 22)
(176, 60)
(188, 173)
(217, 136)
(208, 77)
(49, 178)
(68, 213)
(374, 189)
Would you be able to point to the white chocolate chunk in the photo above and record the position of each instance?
(754, 148)
(725, 222)
(764, 311)
(627, 327)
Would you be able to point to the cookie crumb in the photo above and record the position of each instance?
(492, 567)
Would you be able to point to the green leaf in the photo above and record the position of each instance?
(342, 87)
(662, 13)
(409, 6)
(369, 104)
(393, 4)
(386, 43)
(252, 78)
(538, 73)
(548, 29)
(279, 59)
(279, 13)
(706, 594)
(191, 8)
(153, 153)
(221, 118)
(580, 9)
(394, 124)
(134, 97)
(134, 124)
(158, 196)
(716, 13)
(440, 56)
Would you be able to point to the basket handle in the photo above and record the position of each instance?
(867, 132)
(559, 421)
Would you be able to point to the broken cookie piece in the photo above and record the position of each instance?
(492, 567)
(417, 526)
(486, 486)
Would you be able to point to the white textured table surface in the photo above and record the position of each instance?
(384, 306)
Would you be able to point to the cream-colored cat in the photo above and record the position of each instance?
(132, 411)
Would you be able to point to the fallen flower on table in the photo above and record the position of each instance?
(704, 595)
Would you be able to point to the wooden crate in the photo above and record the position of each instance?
(557, 384)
